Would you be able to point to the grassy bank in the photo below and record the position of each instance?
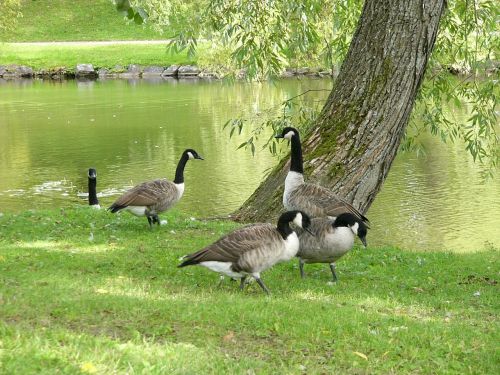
(114, 302)
(45, 57)
(67, 20)
(63, 20)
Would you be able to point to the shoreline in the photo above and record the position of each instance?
(87, 71)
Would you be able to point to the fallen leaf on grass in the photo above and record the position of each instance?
(361, 355)
(228, 337)
(88, 368)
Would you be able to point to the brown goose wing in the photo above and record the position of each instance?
(319, 225)
(230, 247)
(146, 194)
(319, 201)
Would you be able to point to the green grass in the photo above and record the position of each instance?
(118, 304)
(68, 20)
(45, 57)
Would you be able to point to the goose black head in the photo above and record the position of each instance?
(302, 220)
(192, 154)
(288, 133)
(357, 226)
(92, 174)
(299, 218)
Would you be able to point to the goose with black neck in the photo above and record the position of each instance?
(250, 250)
(332, 240)
(314, 200)
(153, 197)
(92, 177)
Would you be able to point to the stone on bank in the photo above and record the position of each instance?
(15, 71)
(85, 71)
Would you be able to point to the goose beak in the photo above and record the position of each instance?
(278, 136)
(364, 241)
(199, 157)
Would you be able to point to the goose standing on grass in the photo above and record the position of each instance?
(153, 197)
(93, 201)
(252, 249)
(333, 239)
(314, 200)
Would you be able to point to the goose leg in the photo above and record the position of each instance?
(301, 268)
(334, 275)
(221, 280)
(150, 221)
(261, 284)
(243, 282)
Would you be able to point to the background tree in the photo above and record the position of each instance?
(352, 142)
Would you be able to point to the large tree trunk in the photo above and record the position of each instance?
(355, 140)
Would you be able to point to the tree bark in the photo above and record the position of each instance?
(358, 132)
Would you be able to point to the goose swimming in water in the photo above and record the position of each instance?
(153, 197)
(250, 250)
(92, 177)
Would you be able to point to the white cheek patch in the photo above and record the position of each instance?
(298, 219)
(190, 155)
(354, 228)
(289, 135)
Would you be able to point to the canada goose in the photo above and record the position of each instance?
(152, 197)
(252, 249)
(314, 200)
(333, 239)
(93, 201)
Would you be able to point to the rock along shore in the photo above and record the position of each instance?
(89, 72)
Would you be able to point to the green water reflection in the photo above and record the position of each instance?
(131, 131)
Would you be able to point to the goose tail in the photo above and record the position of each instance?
(115, 208)
(188, 261)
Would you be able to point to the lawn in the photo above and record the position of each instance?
(44, 57)
(85, 291)
(68, 20)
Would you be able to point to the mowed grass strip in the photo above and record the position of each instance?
(52, 56)
(87, 291)
(68, 20)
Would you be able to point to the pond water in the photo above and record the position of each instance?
(133, 131)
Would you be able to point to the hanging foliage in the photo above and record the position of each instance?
(265, 37)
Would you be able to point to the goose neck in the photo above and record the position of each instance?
(92, 192)
(179, 172)
(296, 164)
(284, 228)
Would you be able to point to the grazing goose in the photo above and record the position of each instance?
(314, 200)
(93, 201)
(252, 249)
(333, 239)
(152, 197)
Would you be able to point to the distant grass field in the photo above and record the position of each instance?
(51, 56)
(114, 302)
(67, 20)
